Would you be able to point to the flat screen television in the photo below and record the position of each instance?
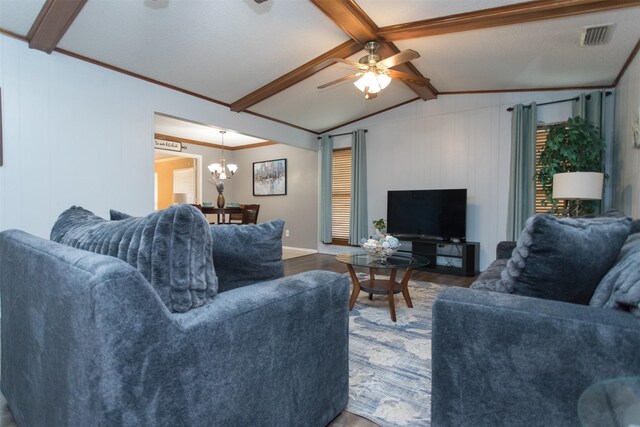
(436, 214)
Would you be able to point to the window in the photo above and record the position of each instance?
(341, 195)
(541, 141)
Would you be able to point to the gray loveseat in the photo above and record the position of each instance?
(501, 359)
(86, 340)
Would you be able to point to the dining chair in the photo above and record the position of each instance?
(250, 214)
(236, 218)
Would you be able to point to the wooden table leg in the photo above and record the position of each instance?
(356, 286)
(405, 287)
(372, 276)
(392, 284)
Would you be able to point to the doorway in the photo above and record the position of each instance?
(176, 173)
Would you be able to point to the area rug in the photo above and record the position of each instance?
(390, 363)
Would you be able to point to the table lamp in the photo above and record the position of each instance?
(179, 198)
(577, 186)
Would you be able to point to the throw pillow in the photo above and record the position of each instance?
(563, 258)
(170, 248)
(247, 254)
(619, 289)
(117, 215)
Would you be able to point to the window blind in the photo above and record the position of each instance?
(541, 141)
(341, 195)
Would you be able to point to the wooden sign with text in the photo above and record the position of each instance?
(162, 144)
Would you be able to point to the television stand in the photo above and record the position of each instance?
(447, 257)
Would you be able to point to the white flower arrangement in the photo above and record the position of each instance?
(381, 248)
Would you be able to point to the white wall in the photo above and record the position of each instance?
(456, 141)
(79, 134)
(626, 166)
(299, 208)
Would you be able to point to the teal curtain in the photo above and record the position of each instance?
(598, 109)
(523, 166)
(358, 223)
(326, 151)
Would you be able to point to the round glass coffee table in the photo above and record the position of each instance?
(388, 286)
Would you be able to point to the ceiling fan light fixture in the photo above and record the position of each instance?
(372, 82)
(383, 80)
(368, 80)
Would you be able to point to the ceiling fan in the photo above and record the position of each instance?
(375, 74)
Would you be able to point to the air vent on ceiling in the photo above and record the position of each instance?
(595, 35)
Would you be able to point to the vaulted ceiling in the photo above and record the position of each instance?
(269, 58)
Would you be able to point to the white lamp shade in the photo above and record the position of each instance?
(383, 80)
(578, 185)
(232, 168)
(368, 80)
(179, 198)
(215, 167)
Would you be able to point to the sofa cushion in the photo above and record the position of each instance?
(171, 248)
(619, 289)
(489, 280)
(563, 258)
(247, 254)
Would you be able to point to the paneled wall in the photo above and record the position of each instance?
(79, 134)
(456, 141)
(626, 168)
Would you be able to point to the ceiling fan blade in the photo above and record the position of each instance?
(343, 61)
(399, 58)
(408, 77)
(349, 62)
(341, 79)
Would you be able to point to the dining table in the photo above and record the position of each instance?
(221, 212)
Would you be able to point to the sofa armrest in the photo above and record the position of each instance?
(272, 353)
(502, 359)
(504, 249)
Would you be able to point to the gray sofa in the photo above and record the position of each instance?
(501, 359)
(86, 340)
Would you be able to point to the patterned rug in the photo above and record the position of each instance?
(390, 363)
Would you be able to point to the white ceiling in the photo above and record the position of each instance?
(417, 10)
(223, 49)
(179, 128)
(226, 49)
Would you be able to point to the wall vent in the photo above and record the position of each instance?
(595, 35)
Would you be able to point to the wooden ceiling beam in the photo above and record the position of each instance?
(425, 92)
(52, 22)
(345, 50)
(351, 18)
(506, 15)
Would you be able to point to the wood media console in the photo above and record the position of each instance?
(448, 257)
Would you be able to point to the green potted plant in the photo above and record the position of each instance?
(572, 147)
(379, 224)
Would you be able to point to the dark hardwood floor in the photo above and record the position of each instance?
(328, 262)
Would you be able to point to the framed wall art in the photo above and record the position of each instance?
(270, 178)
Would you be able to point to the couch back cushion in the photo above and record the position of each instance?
(171, 248)
(619, 289)
(564, 258)
(247, 254)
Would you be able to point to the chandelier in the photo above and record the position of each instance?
(219, 170)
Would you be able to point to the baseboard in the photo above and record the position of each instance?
(309, 251)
